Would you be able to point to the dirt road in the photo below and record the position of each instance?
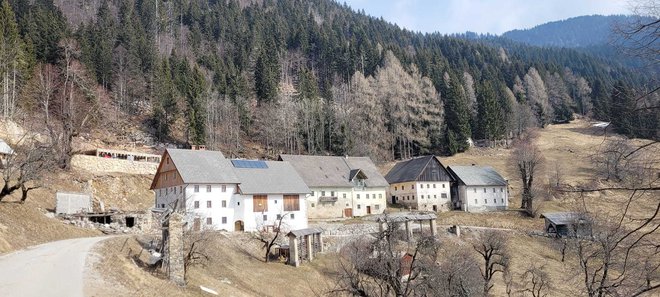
(51, 269)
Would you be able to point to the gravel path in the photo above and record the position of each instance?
(51, 269)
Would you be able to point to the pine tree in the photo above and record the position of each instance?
(457, 116)
(12, 59)
(267, 73)
(623, 113)
(491, 113)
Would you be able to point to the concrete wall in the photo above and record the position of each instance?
(483, 198)
(70, 203)
(96, 164)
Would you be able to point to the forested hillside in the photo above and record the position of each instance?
(292, 76)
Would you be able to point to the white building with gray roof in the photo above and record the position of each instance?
(478, 189)
(340, 186)
(233, 195)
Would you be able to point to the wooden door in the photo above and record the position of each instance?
(348, 212)
(238, 226)
(368, 209)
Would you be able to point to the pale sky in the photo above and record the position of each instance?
(482, 16)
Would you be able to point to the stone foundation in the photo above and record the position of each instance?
(97, 164)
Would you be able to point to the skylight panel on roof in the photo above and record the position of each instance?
(249, 164)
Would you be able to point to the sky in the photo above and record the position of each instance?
(482, 16)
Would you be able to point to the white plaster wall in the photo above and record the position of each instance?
(432, 192)
(377, 201)
(317, 210)
(475, 199)
(254, 220)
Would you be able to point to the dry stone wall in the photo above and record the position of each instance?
(97, 164)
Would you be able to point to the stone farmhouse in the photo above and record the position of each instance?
(234, 195)
(478, 188)
(420, 183)
(340, 186)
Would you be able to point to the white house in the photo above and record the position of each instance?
(341, 186)
(420, 183)
(233, 195)
(479, 188)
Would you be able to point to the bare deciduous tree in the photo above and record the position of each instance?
(491, 245)
(527, 159)
(25, 167)
(535, 281)
(269, 238)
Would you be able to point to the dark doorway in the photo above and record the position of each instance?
(368, 209)
(130, 222)
(238, 226)
(348, 212)
(393, 199)
(435, 208)
(101, 219)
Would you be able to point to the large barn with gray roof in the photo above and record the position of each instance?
(233, 195)
(340, 186)
(479, 188)
(420, 183)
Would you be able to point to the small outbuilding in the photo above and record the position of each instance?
(570, 224)
(407, 219)
(304, 244)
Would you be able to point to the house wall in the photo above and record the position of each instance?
(324, 210)
(376, 202)
(410, 194)
(483, 198)
(255, 220)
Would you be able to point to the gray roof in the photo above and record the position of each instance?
(334, 171)
(563, 218)
(303, 232)
(408, 170)
(477, 175)
(278, 178)
(366, 166)
(208, 167)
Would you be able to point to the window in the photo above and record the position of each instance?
(224, 220)
(332, 193)
(484, 190)
(359, 206)
(402, 187)
(443, 195)
(160, 192)
(493, 190)
(208, 204)
(196, 188)
(485, 201)
(344, 195)
(413, 187)
(322, 193)
(380, 195)
(434, 186)
(167, 160)
(421, 196)
(181, 189)
(167, 191)
(293, 216)
(495, 201)
(475, 190)
(196, 204)
(209, 221)
(312, 193)
(275, 201)
(421, 186)
(346, 204)
(501, 190)
(377, 206)
(428, 186)
(435, 196)
(265, 218)
(312, 204)
(224, 203)
(358, 196)
(291, 203)
(475, 201)
(502, 200)
(174, 190)
(367, 196)
(224, 188)
(238, 203)
(279, 216)
(395, 188)
(260, 203)
(443, 186)
(208, 189)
